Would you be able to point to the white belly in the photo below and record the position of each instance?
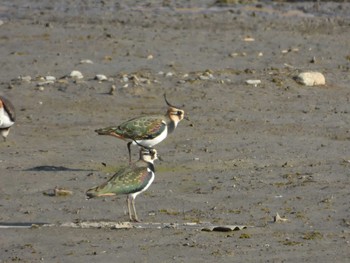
(5, 120)
(151, 143)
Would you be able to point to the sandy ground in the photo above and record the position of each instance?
(246, 153)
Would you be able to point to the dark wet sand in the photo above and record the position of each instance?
(246, 153)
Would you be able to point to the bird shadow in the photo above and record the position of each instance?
(53, 168)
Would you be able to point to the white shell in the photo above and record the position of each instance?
(311, 78)
(76, 74)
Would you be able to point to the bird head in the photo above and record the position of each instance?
(175, 114)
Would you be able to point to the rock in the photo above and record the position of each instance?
(100, 77)
(169, 74)
(25, 78)
(311, 78)
(279, 219)
(43, 83)
(112, 90)
(249, 39)
(50, 78)
(76, 74)
(254, 82)
(58, 192)
(86, 61)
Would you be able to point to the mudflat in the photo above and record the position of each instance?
(247, 152)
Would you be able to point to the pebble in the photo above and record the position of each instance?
(206, 76)
(43, 83)
(311, 78)
(169, 74)
(249, 39)
(25, 78)
(76, 74)
(112, 90)
(86, 61)
(50, 78)
(101, 77)
(254, 82)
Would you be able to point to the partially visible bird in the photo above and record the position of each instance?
(7, 116)
(131, 180)
(146, 131)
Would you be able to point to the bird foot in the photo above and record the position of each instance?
(135, 220)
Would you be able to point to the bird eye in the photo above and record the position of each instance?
(179, 113)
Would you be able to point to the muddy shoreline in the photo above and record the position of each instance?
(247, 152)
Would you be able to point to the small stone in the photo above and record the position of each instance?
(254, 82)
(100, 77)
(203, 77)
(169, 74)
(279, 219)
(43, 83)
(311, 78)
(25, 78)
(58, 192)
(150, 56)
(112, 90)
(313, 60)
(76, 74)
(50, 78)
(86, 61)
(249, 39)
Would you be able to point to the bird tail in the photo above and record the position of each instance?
(107, 131)
(103, 190)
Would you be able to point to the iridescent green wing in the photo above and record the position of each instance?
(142, 128)
(127, 181)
